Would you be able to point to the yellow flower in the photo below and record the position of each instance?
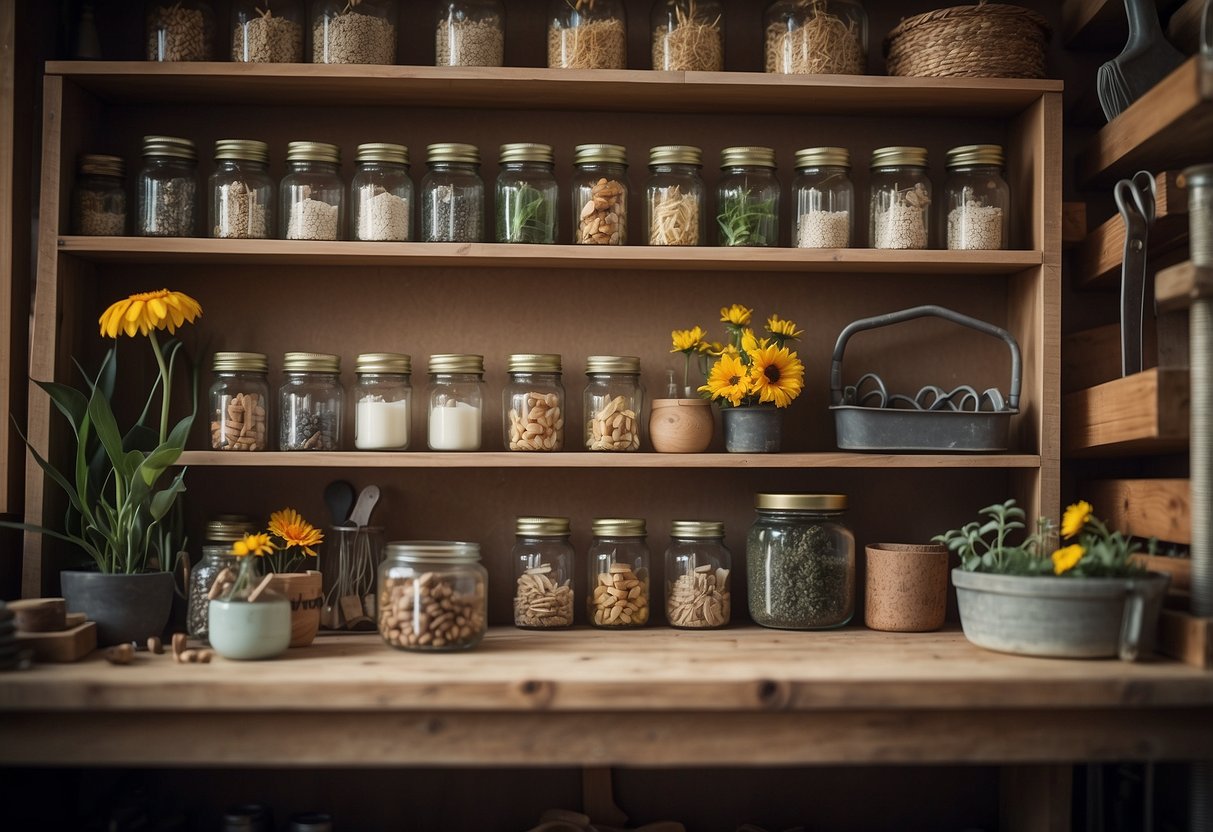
(737, 315)
(776, 375)
(688, 340)
(141, 313)
(1075, 518)
(295, 532)
(1067, 558)
(718, 349)
(750, 342)
(728, 380)
(785, 329)
(253, 544)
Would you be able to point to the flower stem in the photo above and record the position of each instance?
(164, 385)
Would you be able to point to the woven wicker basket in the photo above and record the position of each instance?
(989, 40)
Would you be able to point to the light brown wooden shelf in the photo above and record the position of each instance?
(1177, 287)
(1142, 413)
(1145, 508)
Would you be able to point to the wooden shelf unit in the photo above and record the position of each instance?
(1145, 413)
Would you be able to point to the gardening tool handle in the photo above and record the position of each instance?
(925, 312)
(1132, 623)
(1144, 25)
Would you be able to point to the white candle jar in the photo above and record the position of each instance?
(456, 402)
(383, 409)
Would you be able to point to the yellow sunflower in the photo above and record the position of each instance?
(736, 315)
(295, 532)
(141, 313)
(750, 342)
(1075, 518)
(253, 544)
(688, 340)
(776, 375)
(729, 380)
(785, 330)
(1067, 558)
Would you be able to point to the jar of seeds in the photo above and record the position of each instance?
(825, 198)
(242, 191)
(310, 403)
(180, 30)
(168, 188)
(354, 31)
(587, 34)
(240, 399)
(674, 199)
(99, 199)
(600, 195)
(612, 403)
(747, 197)
(312, 194)
(433, 596)
(267, 31)
(383, 401)
(697, 567)
(527, 194)
(534, 404)
(977, 199)
(470, 33)
(817, 37)
(800, 562)
(619, 574)
(381, 194)
(901, 198)
(688, 35)
(543, 574)
(452, 194)
(217, 555)
(456, 402)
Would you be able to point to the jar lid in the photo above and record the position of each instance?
(248, 150)
(433, 551)
(169, 146)
(240, 362)
(311, 362)
(618, 527)
(676, 154)
(100, 164)
(606, 154)
(543, 527)
(453, 152)
(1197, 176)
(456, 363)
(228, 528)
(975, 154)
(697, 529)
(384, 362)
(627, 364)
(885, 157)
(758, 157)
(396, 154)
(534, 364)
(818, 157)
(313, 152)
(801, 502)
(527, 152)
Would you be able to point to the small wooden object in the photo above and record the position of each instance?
(75, 619)
(65, 646)
(1185, 637)
(261, 588)
(40, 615)
(120, 654)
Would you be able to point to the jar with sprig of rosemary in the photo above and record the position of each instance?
(747, 208)
(527, 194)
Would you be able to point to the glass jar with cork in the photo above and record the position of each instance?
(747, 198)
(688, 35)
(267, 31)
(381, 194)
(312, 199)
(901, 198)
(600, 195)
(543, 574)
(825, 198)
(242, 191)
(433, 596)
(618, 561)
(240, 399)
(354, 31)
(310, 402)
(456, 402)
(697, 567)
(180, 30)
(977, 200)
(534, 404)
(167, 188)
(383, 402)
(217, 555)
(452, 195)
(99, 198)
(612, 403)
(527, 194)
(470, 33)
(817, 37)
(674, 208)
(587, 34)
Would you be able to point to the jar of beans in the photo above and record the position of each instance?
(383, 401)
(534, 404)
(217, 555)
(267, 31)
(433, 596)
(697, 567)
(312, 193)
(470, 33)
(456, 402)
(825, 198)
(619, 574)
(240, 400)
(543, 574)
(354, 31)
(600, 195)
(452, 195)
(587, 34)
(901, 198)
(242, 191)
(674, 199)
(381, 194)
(167, 188)
(99, 199)
(612, 403)
(977, 199)
(747, 197)
(180, 30)
(527, 194)
(688, 35)
(310, 403)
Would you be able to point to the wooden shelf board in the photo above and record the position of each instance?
(1140, 414)
(1177, 287)
(1145, 508)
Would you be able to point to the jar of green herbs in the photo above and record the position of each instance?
(800, 562)
(747, 197)
(526, 194)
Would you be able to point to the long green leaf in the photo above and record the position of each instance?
(53, 472)
(162, 503)
(78, 541)
(68, 400)
(107, 431)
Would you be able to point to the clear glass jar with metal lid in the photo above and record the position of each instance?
(267, 31)
(587, 34)
(433, 596)
(310, 822)
(534, 404)
(697, 568)
(527, 194)
(543, 574)
(901, 198)
(470, 33)
(99, 199)
(613, 403)
(354, 31)
(240, 401)
(747, 197)
(452, 195)
(310, 402)
(977, 200)
(674, 211)
(383, 402)
(242, 191)
(220, 534)
(167, 188)
(180, 30)
(313, 195)
(600, 194)
(618, 562)
(381, 194)
(817, 37)
(800, 562)
(456, 402)
(688, 35)
(825, 198)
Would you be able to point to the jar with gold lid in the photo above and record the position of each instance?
(600, 195)
(310, 402)
(527, 194)
(543, 574)
(452, 195)
(242, 191)
(240, 399)
(381, 194)
(456, 402)
(747, 197)
(901, 198)
(977, 199)
(99, 198)
(674, 198)
(534, 404)
(433, 596)
(383, 402)
(167, 188)
(825, 198)
(697, 568)
(221, 533)
(612, 403)
(313, 195)
(618, 561)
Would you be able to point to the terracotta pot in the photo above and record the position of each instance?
(680, 426)
(906, 587)
(305, 591)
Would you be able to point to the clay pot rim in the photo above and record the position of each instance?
(909, 548)
(655, 403)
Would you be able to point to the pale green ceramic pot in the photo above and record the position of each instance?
(248, 631)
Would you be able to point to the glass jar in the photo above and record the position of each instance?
(349, 561)
(167, 188)
(217, 555)
(470, 33)
(825, 198)
(613, 402)
(977, 199)
(311, 402)
(527, 194)
(313, 195)
(901, 198)
(619, 574)
(240, 399)
(674, 199)
(381, 194)
(747, 197)
(688, 35)
(267, 31)
(697, 567)
(242, 192)
(817, 37)
(348, 32)
(452, 194)
(456, 402)
(99, 200)
(587, 34)
(310, 822)
(534, 404)
(800, 562)
(180, 30)
(600, 194)
(433, 596)
(383, 402)
(543, 574)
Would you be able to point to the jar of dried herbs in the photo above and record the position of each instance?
(313, 195)
(674, 198)
(817, 37)
(697, 567)
(240, 401)
(99, 199)
(825, 198)
(543, 574)
(527, 194)
(354, 31)
(533, 404)
(242, 191)
(310, 402)
(217, 555)
(688, 35)
(470, 33)
(977, 199)
(800, 562)
(901, 198)
(618, 560)
(747, 197)
(168, 188)
(452, 195)
(600, 195)
(180, 30)
(587, 34)
(381, 194)
(267, 31)
(612, 403)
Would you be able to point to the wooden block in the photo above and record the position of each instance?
(1180, 570)
(66, 646)
(1092, 357)
(1185, 637)
(1073, 223)
(75, 619)
(40, 615)
(1142, 413)
(1183, 30)
(1145, 508)
(1178, 286)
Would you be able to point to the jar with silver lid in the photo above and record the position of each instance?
(313, 195)
(825, 198)
(901, 198)
(168, 188)
(383, 398)
(381, 194)
(817, 37)
(99, 199)
(600, 194)
(310, 402)
(527, 194)
(452, 195)
(747, 197)
(361, 32)
(534, 404)
(697, 568)
(220, 534)
(267, 31)
(977, 200)
(613, 403)
(674, 198)
(470, 33)
(587, 34)
(619, 574)
(456, 402)
(180, 30)
(242, 191)
(240, 399)
(433, 596)
(543, 574)
(688, 35)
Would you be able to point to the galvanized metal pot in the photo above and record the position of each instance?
(753, 430)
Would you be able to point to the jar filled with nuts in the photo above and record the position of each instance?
(433, 596)
(470, 33)
(242, 191)
(354, 31)
(534, 404)
(587, 34)
(267, 31)
(383, 400)
(825, 198)
(688, 35)
(452, 195)
(313, 195)
(977, 199)
(747, 197)
(240, 400)
(456, 402)
(381, 194)
(310, 403)
(613, 400)
(619, 574)
(180, 30)
(674, 198)
(167, 188)
(600, 194)
(543, 571)
(697, 567)
(99, 199)
(217, 555)
(817, 37)
(527, 194)
(901, 198)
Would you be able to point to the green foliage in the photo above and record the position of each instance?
(986, 546)
(745, 221)
(525, 216)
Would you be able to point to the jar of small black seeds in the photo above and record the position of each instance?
(452, 195)
(310, 402)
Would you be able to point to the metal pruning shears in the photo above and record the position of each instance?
(1136, 199)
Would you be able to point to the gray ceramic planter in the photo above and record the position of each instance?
(126, 607)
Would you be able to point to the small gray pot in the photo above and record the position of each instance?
(126, 607)
(753, 430)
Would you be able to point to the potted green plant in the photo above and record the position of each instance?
(1086, 599)
(247, 619)
(682, 422)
